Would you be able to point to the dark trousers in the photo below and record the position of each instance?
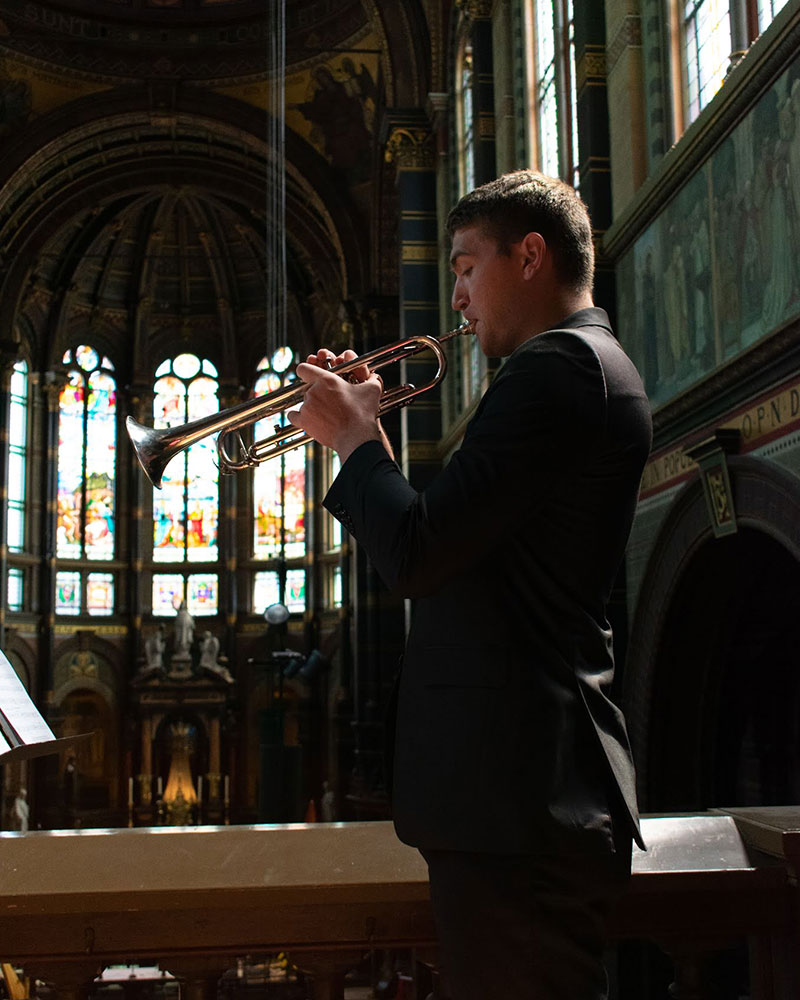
(524, 927)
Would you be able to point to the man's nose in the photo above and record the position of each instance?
(460, 299)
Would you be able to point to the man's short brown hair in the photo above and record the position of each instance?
(525, 201)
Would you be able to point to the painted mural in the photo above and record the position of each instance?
(718, 269)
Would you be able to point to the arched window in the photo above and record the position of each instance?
(279, 505)
(86, 504)
(465, 117)
(555, 89)
(707, 37)
(17, 477)
(186, 509)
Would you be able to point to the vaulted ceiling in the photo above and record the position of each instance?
(134, 164)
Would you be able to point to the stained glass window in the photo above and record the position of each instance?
(185, 510)
(279, 496)
(68, 593)
(295, 596)
(17, 438)
(199, 590)
(14, 590)
(266, 589)
(86, 458)
(707, 31)
(100, 593)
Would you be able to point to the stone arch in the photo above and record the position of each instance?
(767, 502)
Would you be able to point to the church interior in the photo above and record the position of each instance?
(194, 196)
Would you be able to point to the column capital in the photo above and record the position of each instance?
(410, 148)
(476, 10)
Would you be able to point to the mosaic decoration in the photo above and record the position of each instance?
(713, 273)
(86, 458)
(17, 437)
(186, 509)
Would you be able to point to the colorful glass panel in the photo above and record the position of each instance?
(186, 366)
(337, 587)
(295, 599)
(282, 358)
(168, 592)
(203, 596)
(101, 443)
(86, 461)
(87, 358)
(17, 456)
(71, 447)
(100, 593)
(68, 593)
(266, 590)
(294, 476)
(186, 509)
(14, 592)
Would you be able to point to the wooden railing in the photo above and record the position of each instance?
(195, 899)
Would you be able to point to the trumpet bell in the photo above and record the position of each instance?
(152, 455)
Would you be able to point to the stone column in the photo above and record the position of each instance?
(479, 13)
(410, 147)
(140, 539)
(53, 384)
(625, 98)
(8, 358)
(227, 542)
(593, 153)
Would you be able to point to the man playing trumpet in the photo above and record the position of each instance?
(512, 771)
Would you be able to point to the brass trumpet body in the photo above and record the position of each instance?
(156, 448)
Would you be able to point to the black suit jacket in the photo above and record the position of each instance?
(506, 738)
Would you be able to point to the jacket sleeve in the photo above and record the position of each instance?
(535, 428)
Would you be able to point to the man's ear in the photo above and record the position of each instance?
(533, 249)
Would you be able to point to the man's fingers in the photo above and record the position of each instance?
(309, 372)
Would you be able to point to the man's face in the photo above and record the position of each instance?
(487, 289)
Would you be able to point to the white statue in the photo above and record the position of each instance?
(327, 804)
(209, 650)
(184, 631)
(22, 811)
(154, 649)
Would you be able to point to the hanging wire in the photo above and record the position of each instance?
(275, 262)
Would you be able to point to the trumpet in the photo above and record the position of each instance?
(156, 448)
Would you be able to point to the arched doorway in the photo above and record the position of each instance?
(726, 725)
(711, 689)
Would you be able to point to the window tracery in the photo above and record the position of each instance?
(279, 504)
(186, 509)
(86, 500)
